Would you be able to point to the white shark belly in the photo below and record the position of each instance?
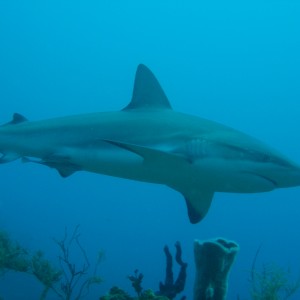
(232, 177)
(219, 174)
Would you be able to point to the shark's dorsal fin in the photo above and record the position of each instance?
(147, 92)
(17, 119)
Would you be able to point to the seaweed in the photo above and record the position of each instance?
(12, 255)
(272, 282)
(44, 271)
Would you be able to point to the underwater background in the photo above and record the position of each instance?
(234, 62)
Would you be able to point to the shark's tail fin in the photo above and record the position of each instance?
(7, 156)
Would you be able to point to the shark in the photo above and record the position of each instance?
(148, 141)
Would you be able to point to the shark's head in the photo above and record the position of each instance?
(200, 157)
(267, 163)
(277, 169)
(247, 165)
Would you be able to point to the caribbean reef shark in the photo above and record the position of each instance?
(148, 141)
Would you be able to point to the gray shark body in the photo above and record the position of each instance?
(148, 141)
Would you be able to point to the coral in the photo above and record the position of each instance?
(116, 293)
(75, 282)
(213, 259)
(136, 282)
(150, 295)
(167, 290)
(170, 288)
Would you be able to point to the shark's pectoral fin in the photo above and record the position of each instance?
(63, 166)
(198, 204)
(197, 200)
(150, 155)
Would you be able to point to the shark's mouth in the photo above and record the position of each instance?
(271, 181)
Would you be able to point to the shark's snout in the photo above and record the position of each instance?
(287, 177)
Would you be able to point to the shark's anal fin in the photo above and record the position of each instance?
(198, 201)
(147, 92)
(61, 164)
(8, 157)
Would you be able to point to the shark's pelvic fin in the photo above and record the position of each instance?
(147, 92)
(17, 119)
(150, 154)
(60, 163)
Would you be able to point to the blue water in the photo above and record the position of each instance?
(235, 62)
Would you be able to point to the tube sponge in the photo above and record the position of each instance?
(213, 259)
